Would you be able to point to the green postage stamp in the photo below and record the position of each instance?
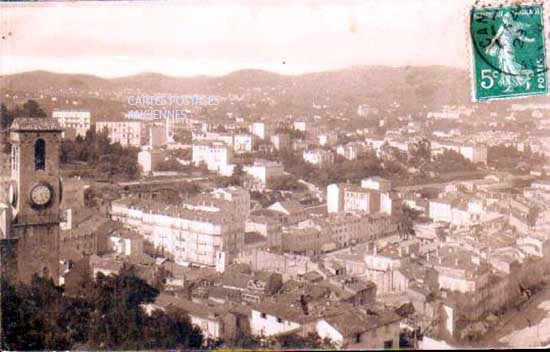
(508, 51)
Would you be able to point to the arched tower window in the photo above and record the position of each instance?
(40, 155)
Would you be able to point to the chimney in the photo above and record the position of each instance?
(375, 249)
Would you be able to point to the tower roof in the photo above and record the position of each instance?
(35, 124)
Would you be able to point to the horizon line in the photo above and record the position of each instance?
(231, 72)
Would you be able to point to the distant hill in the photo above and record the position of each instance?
(35, 81)
(347, 88)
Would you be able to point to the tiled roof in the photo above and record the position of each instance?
(192, 308)
(350, 322)
(35, 124)
(179, 211)
(291, 312)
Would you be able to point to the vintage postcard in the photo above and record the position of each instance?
(274, 175)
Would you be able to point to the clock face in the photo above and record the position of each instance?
(41, 195)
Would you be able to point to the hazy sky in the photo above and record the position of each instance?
(206, 37)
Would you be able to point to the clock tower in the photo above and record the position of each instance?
(35, 195)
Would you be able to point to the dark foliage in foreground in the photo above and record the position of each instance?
(107, 315)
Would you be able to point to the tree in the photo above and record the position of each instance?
(30, 109)
(236, 178)
(294, 341)
(420, 153)
(106, 315)
(451, 161)
(405, 224)
(286, 341)
(38, 316)
(106, 159)
(6, 118)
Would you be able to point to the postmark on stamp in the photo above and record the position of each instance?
(508, 51)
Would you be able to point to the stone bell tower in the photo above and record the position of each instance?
(35, 190)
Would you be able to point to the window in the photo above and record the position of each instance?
(279, 320)
(40, 155)
(263, 315)
(357, 338)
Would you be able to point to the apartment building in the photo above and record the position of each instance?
(242, 143)
(74, 123)
(280, 141)
(127, 133)
(318, 157)
(201, 235)
(358, 199)
(262, 130)
(351, 151)
(264, 171)
(216, 155)
(476, 153)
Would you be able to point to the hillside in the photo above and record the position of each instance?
(343, 90)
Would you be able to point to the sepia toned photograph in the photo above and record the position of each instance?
(274, 175)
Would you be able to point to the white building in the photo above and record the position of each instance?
(300, 126)
(350, 198)
(262, 130)
(335, 198)
(242, 143)
(441, 210)
(78, 122)
(351, 151)
(453, 212)
(269, 319)
(473, 152)
(191, 234)
(125, 244)
(365, 110)
(216, 155)
(357, 199)
(542, 185)
(265, 171)
(149, 159)
(127, 133)
(376, 183)
(318, 157)
(387, 203)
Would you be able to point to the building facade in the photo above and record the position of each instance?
(74, 123)
(318, 157)
(216, 155)
(127, 133)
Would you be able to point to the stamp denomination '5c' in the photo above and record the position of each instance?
(509, 52)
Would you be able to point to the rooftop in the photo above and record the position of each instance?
(35, 124)
(179, 211)
(354, 321)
